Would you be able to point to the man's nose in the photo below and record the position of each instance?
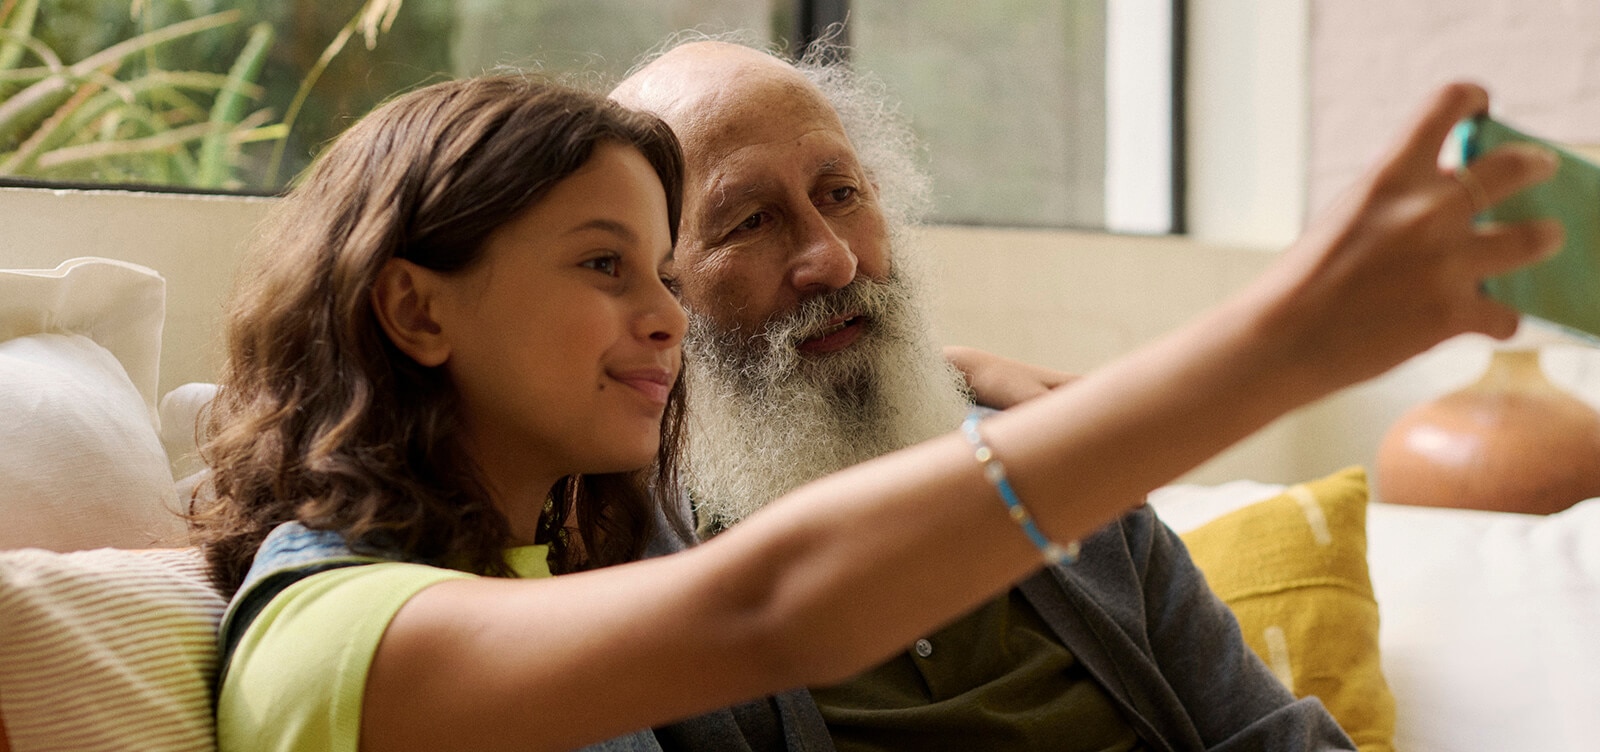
(822, 260)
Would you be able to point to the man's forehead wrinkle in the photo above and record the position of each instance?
(721, 127)
(731, 180)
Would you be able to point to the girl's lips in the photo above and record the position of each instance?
(840, 334)
(654, 383)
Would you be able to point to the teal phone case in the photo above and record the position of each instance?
(1564, 289)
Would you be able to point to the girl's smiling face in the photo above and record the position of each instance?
(563, 342)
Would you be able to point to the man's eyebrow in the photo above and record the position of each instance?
(725, 190)
(726, 197)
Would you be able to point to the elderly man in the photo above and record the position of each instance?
(808, 352)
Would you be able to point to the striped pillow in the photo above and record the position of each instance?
(107, 649)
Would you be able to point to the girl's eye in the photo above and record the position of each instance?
(605, 265)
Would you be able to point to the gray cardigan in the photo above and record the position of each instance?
(1139, 616)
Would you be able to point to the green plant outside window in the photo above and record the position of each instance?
(196, 94)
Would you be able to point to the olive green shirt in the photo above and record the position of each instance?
(997, 679)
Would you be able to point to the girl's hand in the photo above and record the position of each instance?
(1396, 265)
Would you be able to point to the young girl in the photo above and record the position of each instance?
(454, 370)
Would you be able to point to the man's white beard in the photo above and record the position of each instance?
(764, 418)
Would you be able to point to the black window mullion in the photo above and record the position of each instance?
(813, 19)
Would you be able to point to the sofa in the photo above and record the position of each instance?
(1421, 628)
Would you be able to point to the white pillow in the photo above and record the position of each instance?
(107, 650)
(81, 461)
(121, 306)
(1490, 630)
(181, 410)
(81, 465)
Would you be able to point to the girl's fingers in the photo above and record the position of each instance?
(1493, 318)
(1501, 248)
(1419, 148)
(1503, 171)
(1498, 249)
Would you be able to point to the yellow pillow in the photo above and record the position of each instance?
(1294, 570)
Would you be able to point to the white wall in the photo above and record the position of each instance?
(1373, 62)
(1075, 300)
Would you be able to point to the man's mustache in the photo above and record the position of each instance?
(815, 316)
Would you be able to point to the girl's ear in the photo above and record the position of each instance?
(402, 299)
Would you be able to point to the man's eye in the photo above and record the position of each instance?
(671, 283)
(842, 194)
(752, 222)
(604, 264)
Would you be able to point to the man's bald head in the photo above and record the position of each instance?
(710, 91)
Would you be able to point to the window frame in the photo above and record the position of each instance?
(818, 19)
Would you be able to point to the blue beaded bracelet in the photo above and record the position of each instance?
(995, 473)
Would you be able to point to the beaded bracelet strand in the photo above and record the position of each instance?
(995, 473)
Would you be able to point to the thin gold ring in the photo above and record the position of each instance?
(1474, 189)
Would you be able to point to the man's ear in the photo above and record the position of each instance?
(402, 299)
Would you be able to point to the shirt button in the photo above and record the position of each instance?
(923, 648)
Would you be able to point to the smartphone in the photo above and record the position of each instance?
(1564, 289)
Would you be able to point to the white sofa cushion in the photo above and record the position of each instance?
(182, 410)
(81, 461)
(1489, 626)
(81, 465)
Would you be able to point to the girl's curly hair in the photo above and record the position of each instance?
(322, 420)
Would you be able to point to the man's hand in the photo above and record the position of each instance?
(1000, 382)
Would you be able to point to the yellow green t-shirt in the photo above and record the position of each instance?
(297, 678)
